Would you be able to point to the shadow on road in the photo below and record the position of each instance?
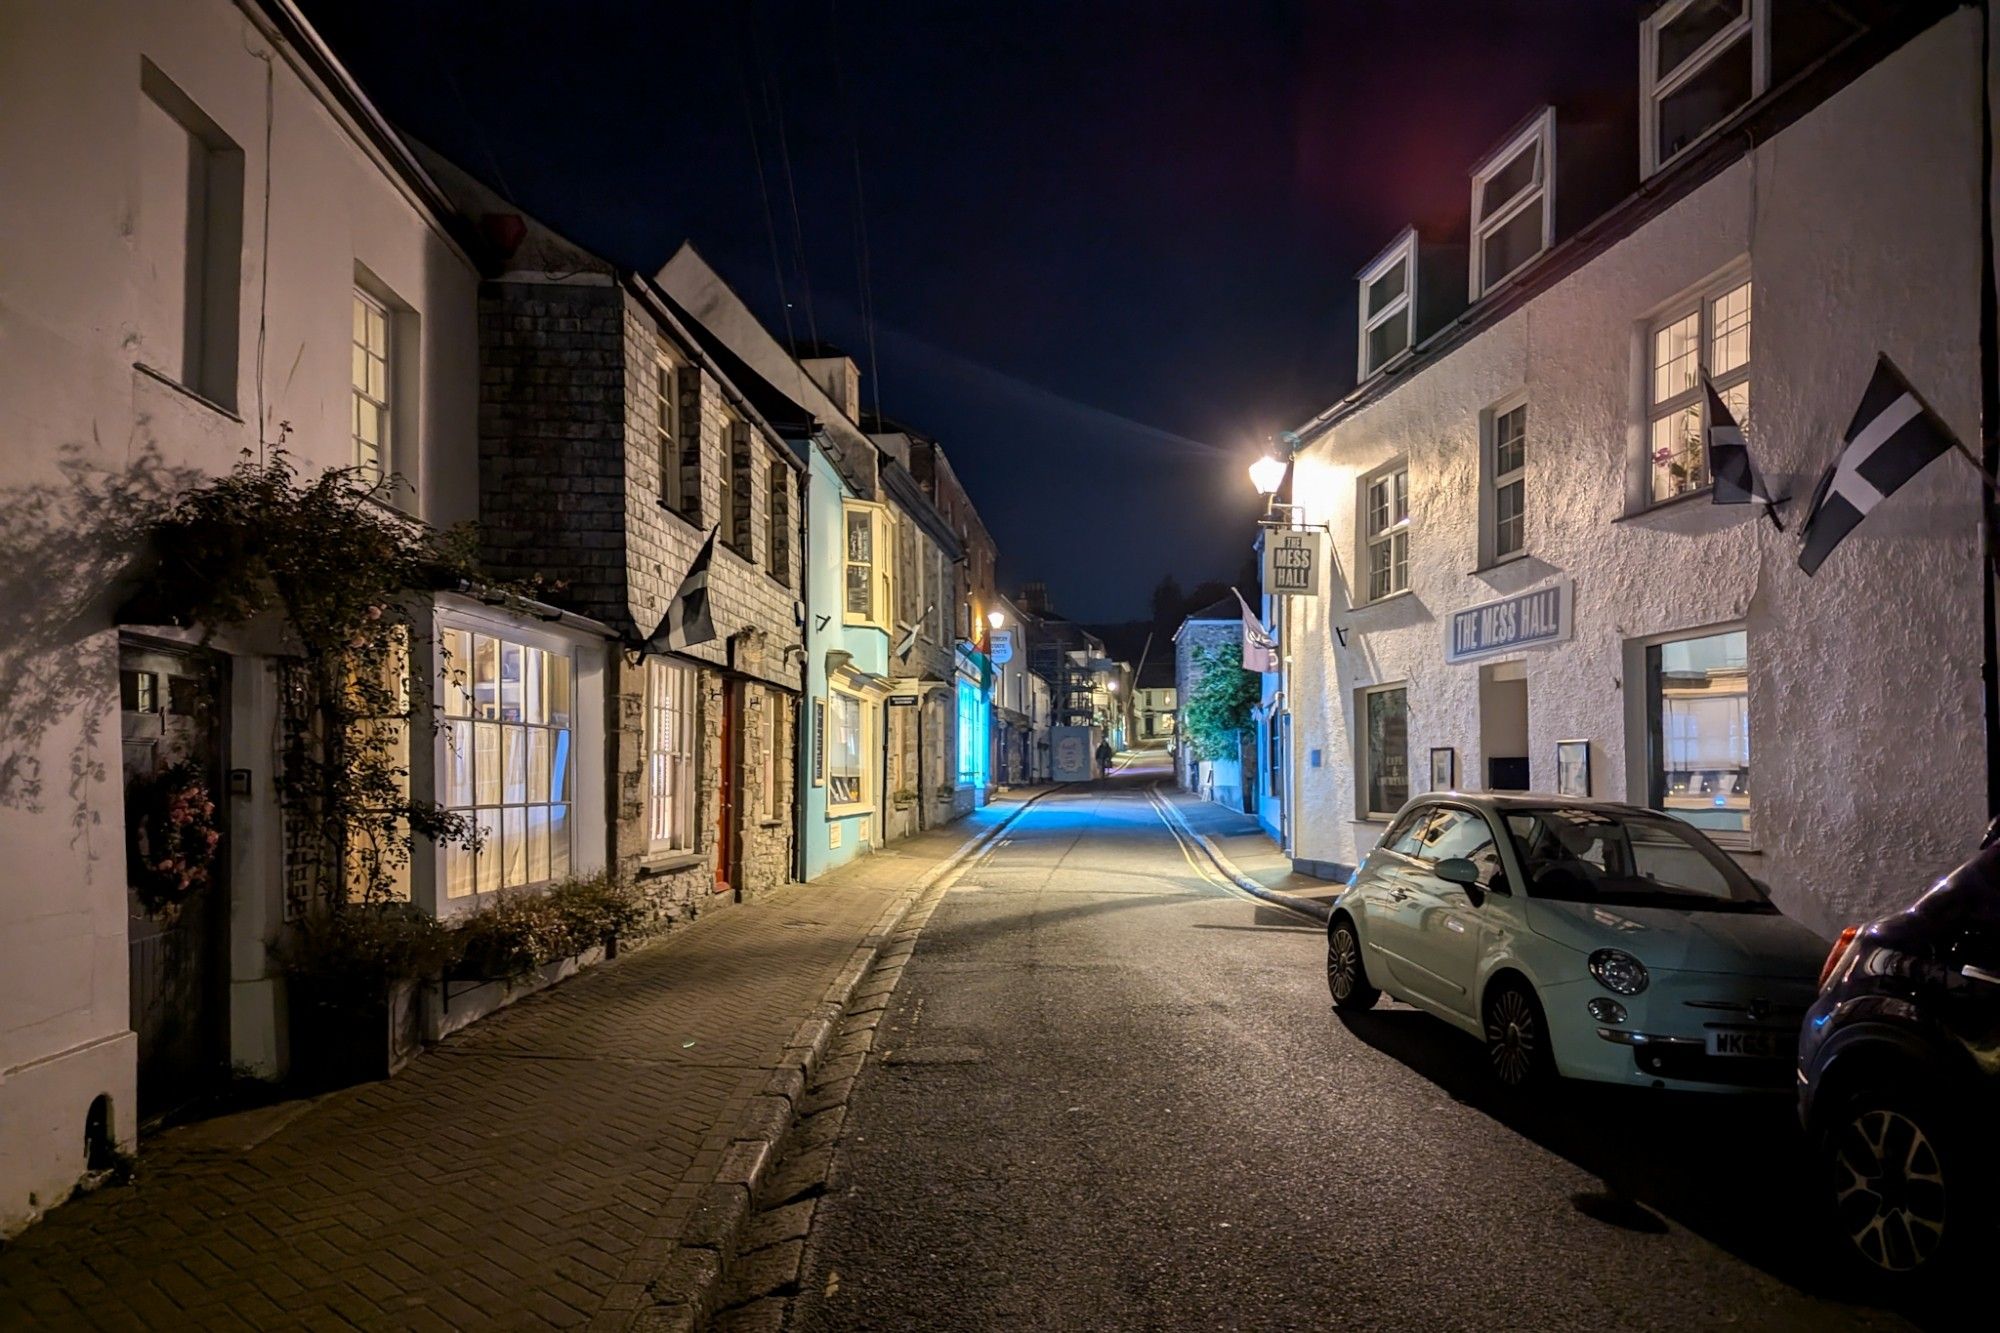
(1733, 1169)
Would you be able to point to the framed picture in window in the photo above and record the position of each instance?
(1572, 768)
(1444, 768)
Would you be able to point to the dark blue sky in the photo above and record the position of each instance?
(1111, 244)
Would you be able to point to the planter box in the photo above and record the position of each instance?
(343, 1035)
(457, 1003)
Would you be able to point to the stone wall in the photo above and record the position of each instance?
(1194, 634)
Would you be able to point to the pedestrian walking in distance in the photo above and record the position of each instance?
(1104, 756)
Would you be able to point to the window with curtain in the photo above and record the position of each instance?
(509, 708)
(670, 755)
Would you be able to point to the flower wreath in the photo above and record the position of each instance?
(176, 842)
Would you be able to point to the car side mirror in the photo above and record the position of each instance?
(1457, 870)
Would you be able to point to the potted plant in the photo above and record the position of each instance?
(514, 936)
(600, 908)
(351, 979)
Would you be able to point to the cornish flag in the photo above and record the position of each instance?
(1892, 438)
(690, 619)
(1736, 482)
(1260, 650)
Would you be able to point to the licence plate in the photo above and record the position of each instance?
(1752, 1043)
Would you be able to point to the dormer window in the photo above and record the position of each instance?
(1701, 61)
(1388, 296)
(1512, 217)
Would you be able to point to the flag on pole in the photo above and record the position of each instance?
(909, 639)
(1736, 481)
(690, 619)
(1892, 438)
(1260, 650)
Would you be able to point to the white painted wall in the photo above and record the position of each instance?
(1860, 226)
(78, 308)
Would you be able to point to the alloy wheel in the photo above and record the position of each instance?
(1343, 964)
(1889, 1190)
(1513, 1037)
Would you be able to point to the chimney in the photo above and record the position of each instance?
(1034, 599)
(838, 378)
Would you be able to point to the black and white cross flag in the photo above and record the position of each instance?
(909, 639)
(1892, 438)
(690, 619)
(1736, 481)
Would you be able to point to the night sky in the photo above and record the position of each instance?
(1111, 245)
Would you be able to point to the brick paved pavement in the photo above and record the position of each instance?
(511, 1178)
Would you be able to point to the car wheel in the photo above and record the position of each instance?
(1895, 1174)
(1346, 977)
(1517, 1038)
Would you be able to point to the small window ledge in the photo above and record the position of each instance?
(1489, 566)
(1382, 601)
(1654, 507)
(666, 863)
(164, 378)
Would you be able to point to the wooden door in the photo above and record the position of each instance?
(171, 714)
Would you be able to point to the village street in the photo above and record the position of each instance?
(1110, 1093)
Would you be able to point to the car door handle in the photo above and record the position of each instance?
(1452, 923)
(1976, 973)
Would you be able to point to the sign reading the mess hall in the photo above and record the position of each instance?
(1294, 562)
(1525, 620)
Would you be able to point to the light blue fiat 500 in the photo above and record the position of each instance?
(1583, 938)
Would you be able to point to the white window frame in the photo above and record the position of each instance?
(1402, 251)
(864, 781)
(1493, 479)
(1754, 21)
(673, 693)
(366, 306)
(458, 701)
(881, 562)
(1362, 771)
(665, 389)
(1538, 136)
(1701, 304)
(1641, 756)
(1369, 537)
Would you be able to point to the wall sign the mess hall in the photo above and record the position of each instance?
(1532, 619)
(1294, 562)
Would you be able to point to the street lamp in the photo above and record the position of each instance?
(996, 619)
(1267, 474)
(1112, 686)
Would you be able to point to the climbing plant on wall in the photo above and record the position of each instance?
(1217, 707)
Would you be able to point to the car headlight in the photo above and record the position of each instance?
(1618, 971)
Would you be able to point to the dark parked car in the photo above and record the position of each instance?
(1899, 1077)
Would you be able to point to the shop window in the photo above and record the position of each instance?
(1698, 717)
(972, 738)
(670, 755)
(1385, 750)
(509, 708)
(846, 773)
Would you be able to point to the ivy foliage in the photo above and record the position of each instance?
(340, 579)
(1217, 708)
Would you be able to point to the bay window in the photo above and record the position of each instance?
(509, 707)
(868, 555)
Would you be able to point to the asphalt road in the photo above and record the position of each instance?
(1111, 1094)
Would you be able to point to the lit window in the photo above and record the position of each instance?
(371, 387)
(869, 555)
(972, 738)
(1511, 218)
(846, 776)
(1385, 751)
(1507, 471)
(1698, 705)
(1386, 554)
(508, 711)
(1712, 336)
(1701, 61)
(670, 732)
(1388, 292)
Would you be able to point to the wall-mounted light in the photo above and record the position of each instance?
(996, 619)
(1267, 474)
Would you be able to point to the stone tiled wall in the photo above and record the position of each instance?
(1196, 634)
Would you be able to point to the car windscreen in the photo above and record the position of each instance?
(1585, 854)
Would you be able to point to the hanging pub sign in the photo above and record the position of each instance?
(1000, 646)
(1294, 562)
(1532, 619)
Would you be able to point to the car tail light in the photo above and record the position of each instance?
(1840, 948)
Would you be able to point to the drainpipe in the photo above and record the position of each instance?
(803, 714)
(1989, 410)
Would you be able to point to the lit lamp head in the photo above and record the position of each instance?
(1267, 474)
(1112, 686)
(996, 619)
